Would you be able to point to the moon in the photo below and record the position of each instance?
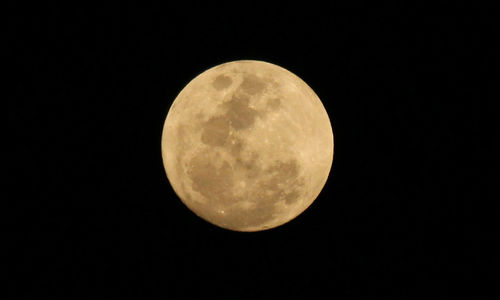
(247, 145)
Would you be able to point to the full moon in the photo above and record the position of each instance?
(247, 145)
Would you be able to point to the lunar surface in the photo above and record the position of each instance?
(247, 145)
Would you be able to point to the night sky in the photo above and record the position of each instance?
(409, 207)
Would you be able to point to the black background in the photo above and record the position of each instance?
(407, 209)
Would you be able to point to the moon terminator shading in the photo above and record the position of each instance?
(247, 145)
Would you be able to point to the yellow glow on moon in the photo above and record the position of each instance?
(247, 145)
